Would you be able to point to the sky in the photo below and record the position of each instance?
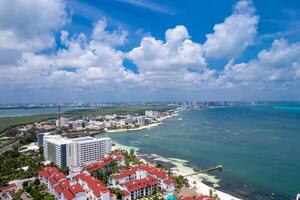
(149, 50)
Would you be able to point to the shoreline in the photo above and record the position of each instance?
(145, 127)
(180, 167)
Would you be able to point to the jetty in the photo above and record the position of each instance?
(218, 167)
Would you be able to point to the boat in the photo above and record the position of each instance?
(146, 135)
(298, 196)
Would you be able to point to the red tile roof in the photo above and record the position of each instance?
(7, 187)
(59, 176)
(204, 197)
(52, 180)
(147, 168)
(50, 170)
(168, 181)
(44, 174)
(140, 183)
(125, 193)
(159, 174)
(58, 189)
(75, 189)
(187, 198)
(64, 184)
(126, 173)
(98, 188)
(98, 165)
(93, 183)
(68, 194)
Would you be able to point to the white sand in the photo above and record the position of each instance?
(133, 129)
(181, 168)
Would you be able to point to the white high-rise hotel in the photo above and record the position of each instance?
(75, 152)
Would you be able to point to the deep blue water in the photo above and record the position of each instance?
(258, 146)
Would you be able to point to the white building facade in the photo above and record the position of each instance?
(75, 152)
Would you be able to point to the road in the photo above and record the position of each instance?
(8, 147)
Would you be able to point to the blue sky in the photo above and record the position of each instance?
(147, 50)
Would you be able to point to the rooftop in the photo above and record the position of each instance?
(57, 139)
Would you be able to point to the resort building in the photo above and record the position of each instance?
(142, 180)
(135, 183)
(139, 188)
(40, 138)
(61, 187)
(104, 163)
(94, 188)
(75, 152)
(151, 113)
(61, 122)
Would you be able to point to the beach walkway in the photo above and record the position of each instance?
(218, 167)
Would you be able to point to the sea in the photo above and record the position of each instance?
(258, 147)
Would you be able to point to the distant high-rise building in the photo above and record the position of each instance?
(151, 113)
(61, 122)
(75, 152)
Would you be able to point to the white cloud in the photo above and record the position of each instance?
(147, 4)
(114, 38)
(166, 64)
(177, 52)
(279, 64)
(28, 25)
(175, 63)
(82, 63)
(235, 34)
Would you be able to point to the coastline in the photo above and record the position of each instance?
(145, 127)
(180, 167)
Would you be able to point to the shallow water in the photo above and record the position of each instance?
(258, 147)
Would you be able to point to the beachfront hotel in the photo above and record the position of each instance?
(40, 138)
(75, 152)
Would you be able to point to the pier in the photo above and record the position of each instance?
(218, 167)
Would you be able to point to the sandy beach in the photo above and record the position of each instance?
(145, 127)
(134, 129)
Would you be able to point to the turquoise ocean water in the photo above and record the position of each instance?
(258, 146)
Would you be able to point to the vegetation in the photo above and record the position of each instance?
(156, 195)
(120, 110)
(131, 158)
(213, 195)
(180, 181)
(29, 137)
(118, 192)
(7, 123)
(37, 191)
(104, 175)
(12, 162)
(6, 141)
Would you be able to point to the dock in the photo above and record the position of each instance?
(218, 167)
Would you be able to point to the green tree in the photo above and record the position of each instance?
(118, 193)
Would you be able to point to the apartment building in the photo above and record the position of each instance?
(75, 152)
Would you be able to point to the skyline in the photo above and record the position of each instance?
(133, 51)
